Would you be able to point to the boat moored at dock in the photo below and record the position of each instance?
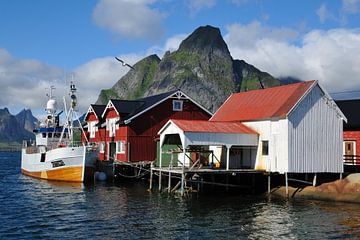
(55, 155)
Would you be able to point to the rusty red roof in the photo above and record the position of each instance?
(275, 102)
(214, 127)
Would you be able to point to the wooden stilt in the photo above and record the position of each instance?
(160, 180)
(183, 172)
(314, 180)
(286, 185)
(228, 157)
(182, 183)
(151, 176)
(269, 183)
(169, 183)
(341, 176)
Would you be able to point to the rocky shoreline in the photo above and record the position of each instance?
(344, 190)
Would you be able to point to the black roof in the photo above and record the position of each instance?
(351, 110)
(98, 109)
(129, 108)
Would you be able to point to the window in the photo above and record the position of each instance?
(101, 147)
(92, 129)
(49, 135)
(120, 147)
(177, 105)
(111, 126)
(265, 148)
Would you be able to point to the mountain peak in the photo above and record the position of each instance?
(204, 38)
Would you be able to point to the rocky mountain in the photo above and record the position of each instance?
(202, 67)
(16, 128)
(26, 120)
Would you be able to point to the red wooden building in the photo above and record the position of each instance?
(351, 134)
(94, 132)
(126, 130)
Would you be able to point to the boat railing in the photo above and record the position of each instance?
(351, 160)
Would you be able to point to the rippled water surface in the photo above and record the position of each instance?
(32, 208)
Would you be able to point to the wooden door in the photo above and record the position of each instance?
(112, 151)
(349, 152)
(349, 148)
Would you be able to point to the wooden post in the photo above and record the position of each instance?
(170, 167)
(182, 183)
(227, 157)
(269, 183)
(183, 172)
(314, 181)
(160, 165)
(151, 175)
(286, 185)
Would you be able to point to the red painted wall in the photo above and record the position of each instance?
(353, 136)
(143, 129)
(141, 133)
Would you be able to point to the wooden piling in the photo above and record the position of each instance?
(314, 180)
(286, 185)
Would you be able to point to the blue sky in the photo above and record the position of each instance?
(43, 42)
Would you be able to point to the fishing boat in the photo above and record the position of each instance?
(54, 155)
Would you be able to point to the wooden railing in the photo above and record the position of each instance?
(352, 160)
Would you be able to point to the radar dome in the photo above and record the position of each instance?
(51, 106)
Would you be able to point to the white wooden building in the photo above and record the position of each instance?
(296, 128)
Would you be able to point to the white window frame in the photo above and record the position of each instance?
(111, 126)
(102, 147)
(120, 147)
(92, 129)
(175, 102)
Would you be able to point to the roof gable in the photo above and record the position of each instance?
(96, 109)
(262, 104)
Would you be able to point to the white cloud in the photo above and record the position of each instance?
(171, 44)
(130, 19)
(351, 6)
(328, 56)
(23, 81)
(323, 13)
(100, 73)
(198, 5)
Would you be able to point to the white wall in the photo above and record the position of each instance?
(276, 132)
(315, 135)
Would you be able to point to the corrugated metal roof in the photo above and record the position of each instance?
(275, 102)
(213, 127)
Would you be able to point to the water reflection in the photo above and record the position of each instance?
(34, 208)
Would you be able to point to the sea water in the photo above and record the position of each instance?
(40, 209)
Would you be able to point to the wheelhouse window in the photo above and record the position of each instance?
(101, 147)
(120, 147)
(177, 105)
(265, 148)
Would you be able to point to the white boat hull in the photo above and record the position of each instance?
(73, 164)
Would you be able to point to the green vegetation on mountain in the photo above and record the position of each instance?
(202, 67)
